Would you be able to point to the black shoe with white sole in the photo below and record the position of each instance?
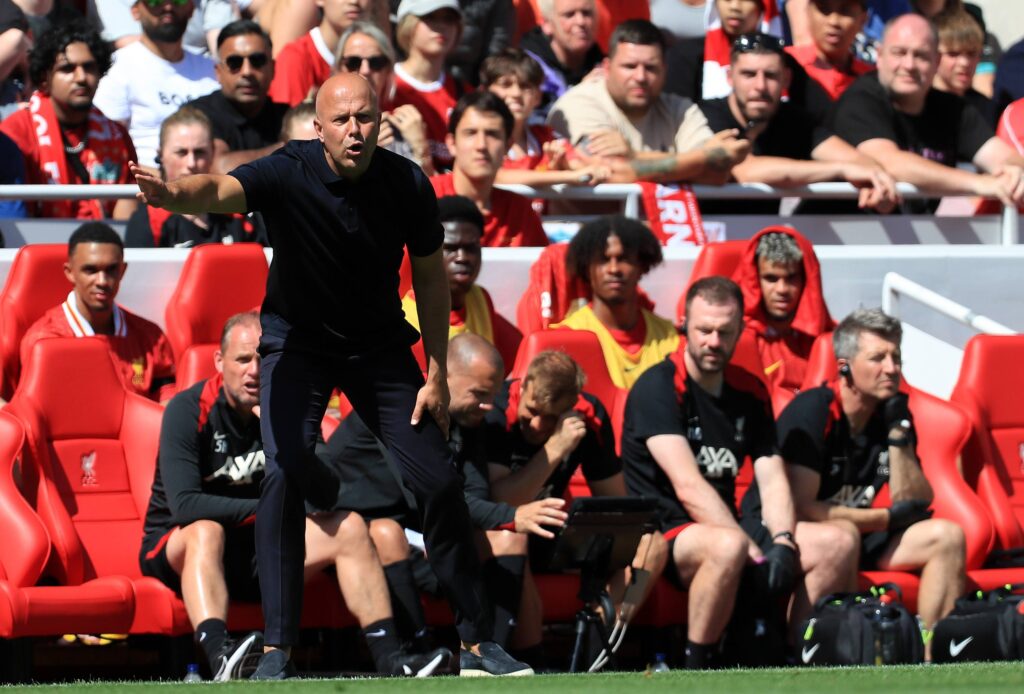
(493, 661)
(435, 662)
(237, 659)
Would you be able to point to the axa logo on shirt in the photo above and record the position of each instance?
(717, 462)
(854, 496)
(240, 469)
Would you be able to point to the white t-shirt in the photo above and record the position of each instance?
(142, 89)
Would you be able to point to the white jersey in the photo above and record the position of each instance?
(142, 89)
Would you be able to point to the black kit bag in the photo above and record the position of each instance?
(982, 626)
(867, 628)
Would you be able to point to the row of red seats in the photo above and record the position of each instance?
(62, 543)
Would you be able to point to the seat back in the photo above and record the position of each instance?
(584, 347)
(195, 364)
(989, 389)
(821, 364)
(216, 282)
(720, 258)
(551, 292)
(89, 459)
(35, 284)
(26, 546)
(943, 430)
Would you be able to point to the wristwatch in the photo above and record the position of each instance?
(785, 535)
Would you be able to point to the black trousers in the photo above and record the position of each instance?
(295, 387)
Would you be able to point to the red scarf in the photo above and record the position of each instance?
(673, 214)
(105, 150)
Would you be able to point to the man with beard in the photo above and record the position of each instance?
(690, 422)
(246, 124)
(788, 146)
(151, 78)
(64, 139)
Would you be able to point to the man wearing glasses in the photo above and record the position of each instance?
(152, 78)
(246, 124)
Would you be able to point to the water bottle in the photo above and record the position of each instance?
(193, 673)
(886, 636)
(659, 664)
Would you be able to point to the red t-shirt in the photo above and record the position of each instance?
(141, 352)
(301, 65)
(511, 220)
(832, 80)
(631, 340)
(435, 102)
(20, 128)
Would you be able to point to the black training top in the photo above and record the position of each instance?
(722, 432)
(815, 433)
(505, 445)
(947, 131)
(209, 466)
(791, 132)
(333, 284)
(371, 482)
(236, 129)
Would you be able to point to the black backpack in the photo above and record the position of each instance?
(982, 626)
(868, 628)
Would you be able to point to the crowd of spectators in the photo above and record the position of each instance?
(752, 92)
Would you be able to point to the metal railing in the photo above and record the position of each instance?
(895, 285)
(629, 193)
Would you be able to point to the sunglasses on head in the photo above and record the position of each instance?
(153, 4)
(748, 43)
(256, 60)
(377, 63)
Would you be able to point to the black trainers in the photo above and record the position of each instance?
(274, 665)
(493, 661)
(237, 659)
(402, 664)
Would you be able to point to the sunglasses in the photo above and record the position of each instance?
(153, 4)
(256, 60)
(377, 63)
(748, 43)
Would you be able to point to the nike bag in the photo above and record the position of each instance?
(867, 628)
(982, 626)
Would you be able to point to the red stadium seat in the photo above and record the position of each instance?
(584, 348)
(195, 364)
(821, 365)
(715, 259)
(216, 282)
(100, 605)
(88, 470)
(35, 284)
(989, 389)
(552, 291)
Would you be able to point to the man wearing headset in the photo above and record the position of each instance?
(844, 441)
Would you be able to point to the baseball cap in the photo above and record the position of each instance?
(421, 8)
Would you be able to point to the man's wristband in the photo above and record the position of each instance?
(785, 535)
(898, 442)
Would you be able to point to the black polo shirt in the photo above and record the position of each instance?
(236, 129)
(815, 434)
(722, 432)
(333, 283)
(371, 482)
(505, 445)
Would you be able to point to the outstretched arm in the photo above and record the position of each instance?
(191, 194)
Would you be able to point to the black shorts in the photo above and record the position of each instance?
(240, 573)
(872, 547)
(755, 530)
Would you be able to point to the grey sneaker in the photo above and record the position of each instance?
(237, 659)
(435, 662)
(274, 665)
(493, 661)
